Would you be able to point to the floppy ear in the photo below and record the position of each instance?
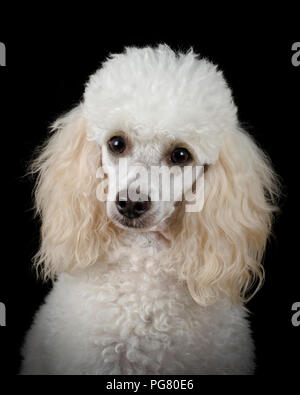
(225, 242)
(65, 198)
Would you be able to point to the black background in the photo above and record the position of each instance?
(47, 66)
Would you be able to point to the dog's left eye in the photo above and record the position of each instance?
(117, 144)
(180, 156)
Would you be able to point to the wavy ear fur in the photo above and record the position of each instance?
(219, 251)
(65, 198)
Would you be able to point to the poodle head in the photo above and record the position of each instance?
(157, 113)
(145, 107)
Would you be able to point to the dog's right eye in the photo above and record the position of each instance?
(117, 144)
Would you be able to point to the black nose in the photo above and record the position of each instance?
(131, 209)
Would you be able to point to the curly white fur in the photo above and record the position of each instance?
(125, 302)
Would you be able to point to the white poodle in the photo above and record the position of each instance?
(145, 286)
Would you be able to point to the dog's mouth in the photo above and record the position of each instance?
(134, 224)
(158, 232)
(145, 222)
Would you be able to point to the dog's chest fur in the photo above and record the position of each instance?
(130, 317)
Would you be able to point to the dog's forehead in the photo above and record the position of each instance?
(158, 92)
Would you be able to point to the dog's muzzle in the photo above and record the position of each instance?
(132, 209)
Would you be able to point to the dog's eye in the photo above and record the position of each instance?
(180, 156)
(117, 144)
